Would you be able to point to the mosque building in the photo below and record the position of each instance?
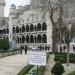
(28, 25)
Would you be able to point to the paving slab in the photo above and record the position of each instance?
(11, 65)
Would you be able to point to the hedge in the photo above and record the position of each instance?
(41, 70)
(62, 57)
(25, 70)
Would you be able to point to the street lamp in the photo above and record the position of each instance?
(68, 40)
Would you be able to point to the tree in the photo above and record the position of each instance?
(4, 44)
(57, 69)
(52, 8)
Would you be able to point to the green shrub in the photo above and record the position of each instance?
(4, 44)
(62, 57)
(72, 73)
(72, 60)
(57, 69)
(25, 70)
(41, 70)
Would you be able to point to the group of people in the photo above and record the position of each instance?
(64, 47)
(25, 49)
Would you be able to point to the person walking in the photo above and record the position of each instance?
(26, 49)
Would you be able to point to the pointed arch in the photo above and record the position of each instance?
(17, 29)
(31, 39)
(39, 27)
(27, 28)
(14, 30)
(27, 39)
(23, 39)
(39, 39)
(31, 27)
(23, 28)
(44, 38)
(44, 26)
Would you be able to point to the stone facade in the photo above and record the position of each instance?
(28, 25)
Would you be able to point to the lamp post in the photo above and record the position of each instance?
(67, 40)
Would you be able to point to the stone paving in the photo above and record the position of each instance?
(11, 65)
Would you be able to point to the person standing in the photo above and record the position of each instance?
(21, 49)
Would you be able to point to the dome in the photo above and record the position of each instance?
(13, 9)
(13, 6)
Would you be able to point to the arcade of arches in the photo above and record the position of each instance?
(4, 31)
(28, 38)
(32, 39)
(30, 28)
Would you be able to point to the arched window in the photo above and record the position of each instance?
(27, 39)
(17, 29)
(23, 28)
(31, 39)
(23, 39)
(14, 30)
(31, 28)
(39, 39)
(39, 27)
(44, 38)
(27, 28)
(7, 30)
(44, 26)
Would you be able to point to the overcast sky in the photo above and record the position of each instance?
(16, 2)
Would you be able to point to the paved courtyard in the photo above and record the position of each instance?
(11, 65)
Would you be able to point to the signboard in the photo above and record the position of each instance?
(37, 58)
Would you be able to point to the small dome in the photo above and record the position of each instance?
(13, 6)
